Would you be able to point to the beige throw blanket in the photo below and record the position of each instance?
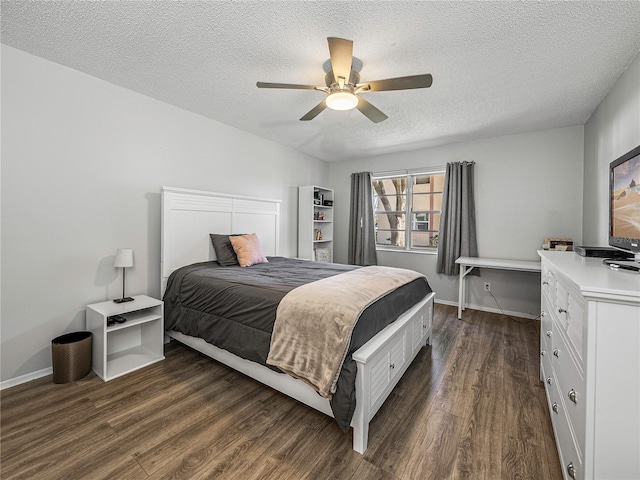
(314, 322)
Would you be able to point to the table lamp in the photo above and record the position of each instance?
(124, 259)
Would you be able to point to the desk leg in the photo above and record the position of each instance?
(464, 270)
(461, 292)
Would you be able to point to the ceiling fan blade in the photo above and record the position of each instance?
(313, 113)
(369, 111)
(341, 53)
(285, 85)
(400, 83)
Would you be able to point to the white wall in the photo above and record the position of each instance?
(528, 187)
(83, 162)
(611, 131)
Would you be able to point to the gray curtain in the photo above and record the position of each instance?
(362, 240)
(458, 220)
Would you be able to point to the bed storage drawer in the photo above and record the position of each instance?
(384, 367)
(422, 327)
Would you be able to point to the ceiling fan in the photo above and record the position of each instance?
(343, 84)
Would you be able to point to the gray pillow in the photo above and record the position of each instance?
(225, 254)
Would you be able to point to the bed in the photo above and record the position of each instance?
(189, 217)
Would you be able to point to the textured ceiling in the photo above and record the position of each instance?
(498, 67)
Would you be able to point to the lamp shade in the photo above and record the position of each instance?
(124, 258)
(341, 100)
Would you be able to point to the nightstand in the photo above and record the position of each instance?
(124, 347)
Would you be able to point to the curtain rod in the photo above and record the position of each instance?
(391, 173)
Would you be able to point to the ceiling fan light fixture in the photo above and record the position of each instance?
(341, 100)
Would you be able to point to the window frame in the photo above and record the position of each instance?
(408, 212)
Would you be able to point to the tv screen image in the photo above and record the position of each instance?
(625, 202)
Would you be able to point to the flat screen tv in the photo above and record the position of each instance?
(624, 203)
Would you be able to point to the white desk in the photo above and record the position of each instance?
(469, 263)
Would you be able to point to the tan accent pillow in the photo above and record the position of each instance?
(248, 250)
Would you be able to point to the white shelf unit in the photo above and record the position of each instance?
(125, 347)
(309, 224)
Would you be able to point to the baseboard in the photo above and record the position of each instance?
(445, 302)
(490, 310)
(12, 382)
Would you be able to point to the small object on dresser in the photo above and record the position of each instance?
(558, 244)
(602, 252)
(615, 264)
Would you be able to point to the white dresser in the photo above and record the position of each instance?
(590, 365)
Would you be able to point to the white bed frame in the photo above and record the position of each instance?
(189, 216)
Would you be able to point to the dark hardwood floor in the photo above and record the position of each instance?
(471, 406)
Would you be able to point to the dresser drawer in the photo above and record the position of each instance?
(546, 328)
(571, 386)
(548, 280)
(567, 451)
(546, 373)
(575, 319)
(570, 455)
(569, 312)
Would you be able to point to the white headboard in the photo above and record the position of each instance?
(189, 216)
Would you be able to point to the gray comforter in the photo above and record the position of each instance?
(234, 308)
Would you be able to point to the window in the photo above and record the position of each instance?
(407, 210)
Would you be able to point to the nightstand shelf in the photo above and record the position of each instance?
(119, 363)
(134, 318)
(124, 347)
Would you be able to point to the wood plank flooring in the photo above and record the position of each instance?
(470, 407)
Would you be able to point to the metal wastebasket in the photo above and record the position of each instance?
(71, 356)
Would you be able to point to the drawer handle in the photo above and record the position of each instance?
(571, 470)
(549, 380)
(545, 283)
(542, 353)
(561, 310)
(393, 365)
(554, 407)
(548, 333)
(556, 353)
(573, 396)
